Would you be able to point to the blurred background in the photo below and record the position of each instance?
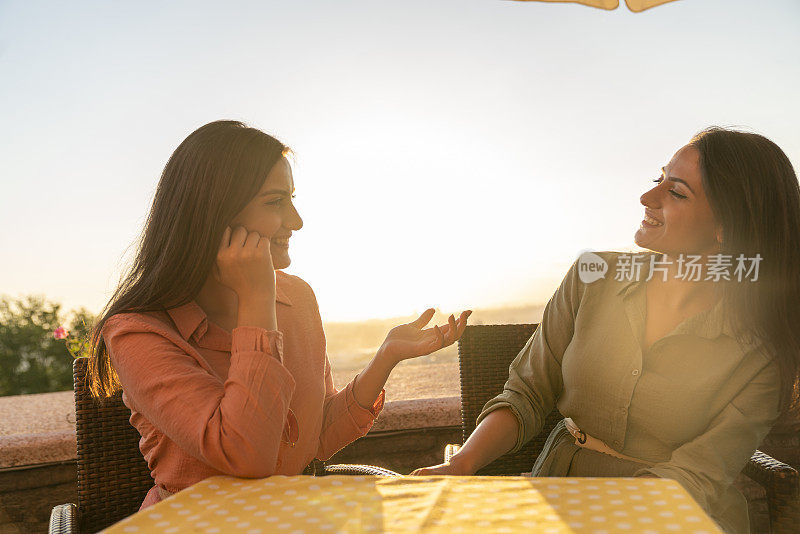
(454, 154)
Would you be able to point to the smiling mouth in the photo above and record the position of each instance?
(650, 222)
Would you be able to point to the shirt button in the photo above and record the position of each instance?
(616, 442)
(635, 372)
(623, 410)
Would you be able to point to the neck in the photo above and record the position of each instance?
(679, 293)
(217, 300)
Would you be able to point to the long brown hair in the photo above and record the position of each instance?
(754, 194)
(209, 179)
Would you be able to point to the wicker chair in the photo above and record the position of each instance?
(485, 353)
(113, 477)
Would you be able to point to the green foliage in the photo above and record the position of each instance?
(31, 359)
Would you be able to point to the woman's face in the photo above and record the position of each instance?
(678, 218)
(272, 214)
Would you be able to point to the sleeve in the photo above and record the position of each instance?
(708, 464)
(234, 426)
(344, 420)
(535, 381)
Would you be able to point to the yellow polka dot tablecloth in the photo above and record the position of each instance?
(442, 504)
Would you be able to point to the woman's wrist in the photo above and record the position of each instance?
(462, 464)
(257, 310)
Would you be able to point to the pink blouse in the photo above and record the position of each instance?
(251, 403)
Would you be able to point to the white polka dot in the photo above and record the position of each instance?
(249, 507)
(184, 512)
(204, 501)
(640, 508)
(260, 513)
(684, 507)
(213, 486)
(621, 513)
(172, 529)
(624, 526)
(645, 520)
(287, 508)
(221, 492)
(654, 492)
(239, 501)
(613, 492)
(221, 512)
(290, 492)
(155, 516)
(212, 506)
(673, 526)
(595, 507)
(313, 487)
(284, 525)
(196, 495)
(175, 505)
(593, 496)
(312, 520)
(599, 519)
(299, 514)
(576, 524)
(616, 502)
(162, 524)
(271, 519)
(255, 531)
(201, 524)
(610, 482)
(575, 512)
(243, 524)
(636, 497)
(131, 528)
(336, 482)
(237, 483)
(212, 530)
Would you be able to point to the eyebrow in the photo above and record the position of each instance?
(283, 192)
(676, 179)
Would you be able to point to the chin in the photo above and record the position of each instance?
(281, 263)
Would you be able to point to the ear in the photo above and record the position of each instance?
(718, 233)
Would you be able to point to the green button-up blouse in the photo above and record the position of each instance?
(695, 405)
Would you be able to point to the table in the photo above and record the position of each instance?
(451, 505)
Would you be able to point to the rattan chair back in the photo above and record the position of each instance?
(113, 477)
(485, 353)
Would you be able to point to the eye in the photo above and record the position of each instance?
(277, 202)
(671, 191)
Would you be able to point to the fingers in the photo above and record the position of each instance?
(238, 236)
(423, 319)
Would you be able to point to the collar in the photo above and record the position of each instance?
(192, 322)
(710, 323)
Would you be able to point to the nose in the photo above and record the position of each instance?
(293, 220)
(650, 199)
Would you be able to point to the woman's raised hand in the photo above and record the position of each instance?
(411, 340)
(244, 263)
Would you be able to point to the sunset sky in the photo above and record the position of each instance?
(451, 153)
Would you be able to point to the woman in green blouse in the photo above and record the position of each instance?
(662, 369)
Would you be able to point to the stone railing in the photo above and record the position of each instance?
(38, 446)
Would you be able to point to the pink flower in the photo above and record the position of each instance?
(60, 333)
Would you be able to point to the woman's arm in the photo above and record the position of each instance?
(495, 436)
(534, 383)
(349, 414)
(233, 426)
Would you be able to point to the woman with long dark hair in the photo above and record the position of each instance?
(220, 354)
(678, 362)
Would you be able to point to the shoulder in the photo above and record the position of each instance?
(157, 323)
(297, 289)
